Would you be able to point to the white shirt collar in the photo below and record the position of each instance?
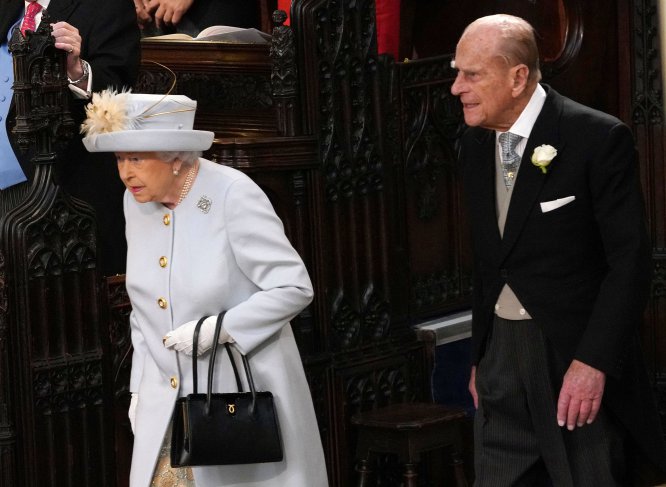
(523, 126)
(43, 3)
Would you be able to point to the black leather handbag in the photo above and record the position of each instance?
(224, 428)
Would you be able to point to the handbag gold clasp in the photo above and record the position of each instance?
(231, 408)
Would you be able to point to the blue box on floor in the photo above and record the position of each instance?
(450, 375)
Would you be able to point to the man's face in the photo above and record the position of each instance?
(484, 82)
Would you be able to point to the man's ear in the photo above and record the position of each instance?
(520, 74)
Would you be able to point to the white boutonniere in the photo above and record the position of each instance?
(542, 156)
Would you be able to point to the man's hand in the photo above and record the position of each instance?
(142, 15)
(68, 39)
(580, 396)
(472, 387)
(168, 12)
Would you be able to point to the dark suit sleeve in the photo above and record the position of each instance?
(111, 42)
(481, 317)
(619, 212)
(10, 12)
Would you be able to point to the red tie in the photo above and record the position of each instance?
(29, 19)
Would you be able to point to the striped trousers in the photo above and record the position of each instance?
(517, 441)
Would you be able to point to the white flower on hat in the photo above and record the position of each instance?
(108, 112)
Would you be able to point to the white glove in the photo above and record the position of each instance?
(180, 339)
(131, 413)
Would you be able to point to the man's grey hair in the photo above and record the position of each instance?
(518, 41)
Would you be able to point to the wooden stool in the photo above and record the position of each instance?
(407, 430)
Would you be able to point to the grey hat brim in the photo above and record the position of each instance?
(150, 141)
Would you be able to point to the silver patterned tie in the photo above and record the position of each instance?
(510, 160)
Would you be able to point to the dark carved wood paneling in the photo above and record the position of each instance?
(7, 422)
(440, 264)
(654, 338)
(342, 102)
(118, 309)
(231, 82)
(644, 111)
(284, 76)
(55, 402)
(58, 365)
(350, 100)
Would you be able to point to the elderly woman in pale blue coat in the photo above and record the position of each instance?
(203, 238)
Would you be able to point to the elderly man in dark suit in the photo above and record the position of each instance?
(102, 42)
(562, 273)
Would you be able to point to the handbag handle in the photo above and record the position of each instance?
(195, 346)
(248, 374)
(211, 365)
(195, 353)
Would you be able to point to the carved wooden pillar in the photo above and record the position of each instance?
(7, 424)
(362, 291)
(54, 413)
(642, 108)
(438, 247)
(284, 76)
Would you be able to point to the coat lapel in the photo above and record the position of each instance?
(10, 11)
(483, 195)
(530, 178)
(61, 10)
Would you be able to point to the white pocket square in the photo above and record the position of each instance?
(547, 206)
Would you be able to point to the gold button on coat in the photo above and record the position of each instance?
(162, 303)
(166, 219)
(174, 382)
(163, 261)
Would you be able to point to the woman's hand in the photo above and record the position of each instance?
(181, 339)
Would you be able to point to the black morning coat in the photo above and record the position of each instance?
(583, 270)
(111, 45)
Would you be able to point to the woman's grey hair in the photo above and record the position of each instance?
(518, 41)
(187, 157)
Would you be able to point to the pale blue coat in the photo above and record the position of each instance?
(197, 260)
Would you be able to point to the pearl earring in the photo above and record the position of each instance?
(175, 172)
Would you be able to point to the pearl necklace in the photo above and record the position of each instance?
(189, 179)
